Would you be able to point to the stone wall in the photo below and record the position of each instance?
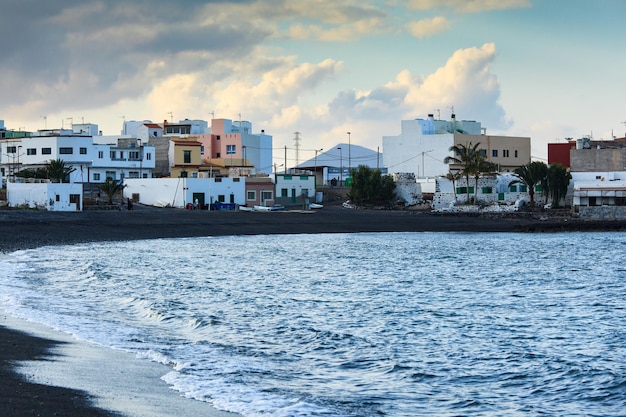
(602, 212)
(408, 189)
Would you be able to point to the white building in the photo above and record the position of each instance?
(295, 187)
(45, 195)
(179, 192)
(423, 145)
(93, 160)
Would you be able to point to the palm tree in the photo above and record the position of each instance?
(58, 171)
(465, 156)
(556, 183)
(530, 175)
(482, 166)
(111, 187)
(453, 177)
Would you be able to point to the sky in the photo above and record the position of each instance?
(544, 69)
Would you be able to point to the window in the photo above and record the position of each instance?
(96, 176)
(66, 151)
(513, 188)
(236, 179)
(201, 149)
(110, 175)
(218, 155)
(194, 175)
(113, 155)
(133, 174)
(284, 192)
(31, 151)
(187, 157)
(494, 153)
(217, 137)
(11, 149)
(100, 154)
(218, 180)
(83, 151)
(148, 156)
(505, 153)
(46, 151)
(304, 177)
(516, 153)
(221, 198)
(287, 177)
(523, 188)
(483, 152)
(487, 190)
(133, 155)
(266, 195)
(231, 149)
(251, 196)
(74, 198)
(183, 174)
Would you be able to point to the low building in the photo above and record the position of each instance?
(181, 192)
(295, 187)
(45, 195)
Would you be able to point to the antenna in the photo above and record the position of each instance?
(438, 114)
(45, 122)
(171, 116)
(212, 115)
(297, 140)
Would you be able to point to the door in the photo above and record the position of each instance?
(200, 198)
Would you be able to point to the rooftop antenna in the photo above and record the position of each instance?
(297, 140)
(45, 122)
(451, 109)
(171, 116)
(212, 115)
(71, 119)
(438, 114)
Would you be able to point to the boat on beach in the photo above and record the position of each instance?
(275, 207)
(316, 206)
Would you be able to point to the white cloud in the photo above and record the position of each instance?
(428, 27)
(468, 6)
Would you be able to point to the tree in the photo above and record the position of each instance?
(111, 187)
(39, 173)
(465, 156)
(482, 166)
(556, 182)
(453, 177)
(369, 186)
(58, 171)
(530, 175)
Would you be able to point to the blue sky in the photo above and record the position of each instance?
(548, 69)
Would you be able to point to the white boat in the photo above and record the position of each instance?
(315, 206)
(246, 208)
(269, 208)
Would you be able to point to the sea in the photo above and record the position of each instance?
(368, 324)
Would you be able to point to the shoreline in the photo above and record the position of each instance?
(22, 341)
(28, 229)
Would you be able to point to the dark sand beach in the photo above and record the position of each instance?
(26, 229)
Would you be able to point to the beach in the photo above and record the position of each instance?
(58, 354)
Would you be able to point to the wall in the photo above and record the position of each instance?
(177, 192)
(444, 195)
(408, 189)
(44, 196)
(599, 160)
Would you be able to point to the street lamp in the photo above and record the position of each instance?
(423, 153)
(349, 153)
(340, 166)
(315, 166)
(140, 158)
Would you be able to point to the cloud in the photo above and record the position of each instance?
(428, 27)
(468, 6)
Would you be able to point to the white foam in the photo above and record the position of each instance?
(119, 380)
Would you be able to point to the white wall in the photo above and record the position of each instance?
(298, 183)
(403, 153)
(177, 192)
(44, 195)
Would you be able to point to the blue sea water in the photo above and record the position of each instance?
(404, 324)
